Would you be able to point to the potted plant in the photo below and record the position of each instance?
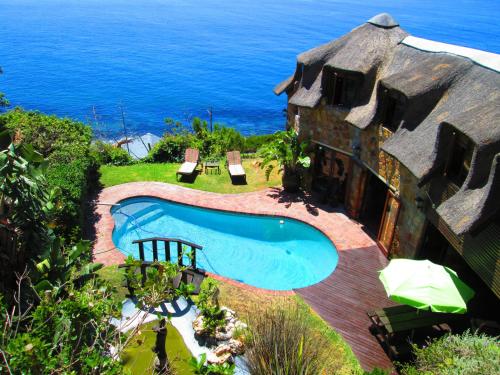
(289, 154)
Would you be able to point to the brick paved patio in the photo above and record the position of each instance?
(341, 300)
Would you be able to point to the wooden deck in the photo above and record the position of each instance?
(344, 297)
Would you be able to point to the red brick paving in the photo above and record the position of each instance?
(342, 299)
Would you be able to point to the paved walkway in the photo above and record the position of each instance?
(342, 299)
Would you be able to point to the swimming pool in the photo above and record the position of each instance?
(264, 251)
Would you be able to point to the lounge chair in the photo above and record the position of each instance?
(234, 165)
(191, 159)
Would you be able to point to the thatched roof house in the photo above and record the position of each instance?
(444, 90)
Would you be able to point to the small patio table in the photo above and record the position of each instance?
(212, 165)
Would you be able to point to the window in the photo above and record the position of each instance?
(393, 112)
(458, 164)
(338, 89)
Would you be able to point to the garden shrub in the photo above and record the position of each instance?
(212, 144)
(170, 149)
(282, 342)
(254, 142)
(66, 146)
(465, 354)
(105, 153)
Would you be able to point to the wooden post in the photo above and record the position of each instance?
(162, 365)
(193, 256)
(141, 251)
(155, 250)
(167, 251)
(179, 254)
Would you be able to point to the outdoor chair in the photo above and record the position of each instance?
(234, 165)
(191, 159)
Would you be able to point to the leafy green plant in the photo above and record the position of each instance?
(65, 144)
(281, 342)
(200, 368)
(254, 142)
(185, 290)
(290, 156)
(106, 153)
(465, 354)
(63, 335)
(158, 285)
(213, 318)
(60, 266)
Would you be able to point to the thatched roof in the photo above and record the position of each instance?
(360, 51)
(442, 90)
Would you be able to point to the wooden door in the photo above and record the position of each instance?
(388, 222)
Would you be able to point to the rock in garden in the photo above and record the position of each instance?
(212, 358)
(236, 346)
(198, 328)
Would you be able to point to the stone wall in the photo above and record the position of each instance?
(379, 161)
(411, 224)
(326, 124)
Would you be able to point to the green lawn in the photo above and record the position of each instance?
(165, 172)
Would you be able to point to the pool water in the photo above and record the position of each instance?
(264, 251)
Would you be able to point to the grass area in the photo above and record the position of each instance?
(246, 302)
(165, 172)
(138, 358)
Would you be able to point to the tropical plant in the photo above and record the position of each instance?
(465, 354)
(289, 153)
(281, 342)
(60, 267)
(200, 367)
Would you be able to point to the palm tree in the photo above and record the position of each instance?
(290, 156)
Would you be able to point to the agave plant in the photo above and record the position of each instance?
(287, 153)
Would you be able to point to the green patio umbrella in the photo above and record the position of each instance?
(425, 285)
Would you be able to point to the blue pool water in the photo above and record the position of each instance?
(267, 252)
(176, 58)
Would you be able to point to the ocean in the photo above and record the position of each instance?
(179, 58)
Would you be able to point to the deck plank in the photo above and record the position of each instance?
(343, 299)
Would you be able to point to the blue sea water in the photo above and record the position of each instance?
(176, 58)
(267, 252)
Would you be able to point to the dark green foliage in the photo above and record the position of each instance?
(105, 153)
(66, 146)
(254, 142)
(465, 354)
(282, 342)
